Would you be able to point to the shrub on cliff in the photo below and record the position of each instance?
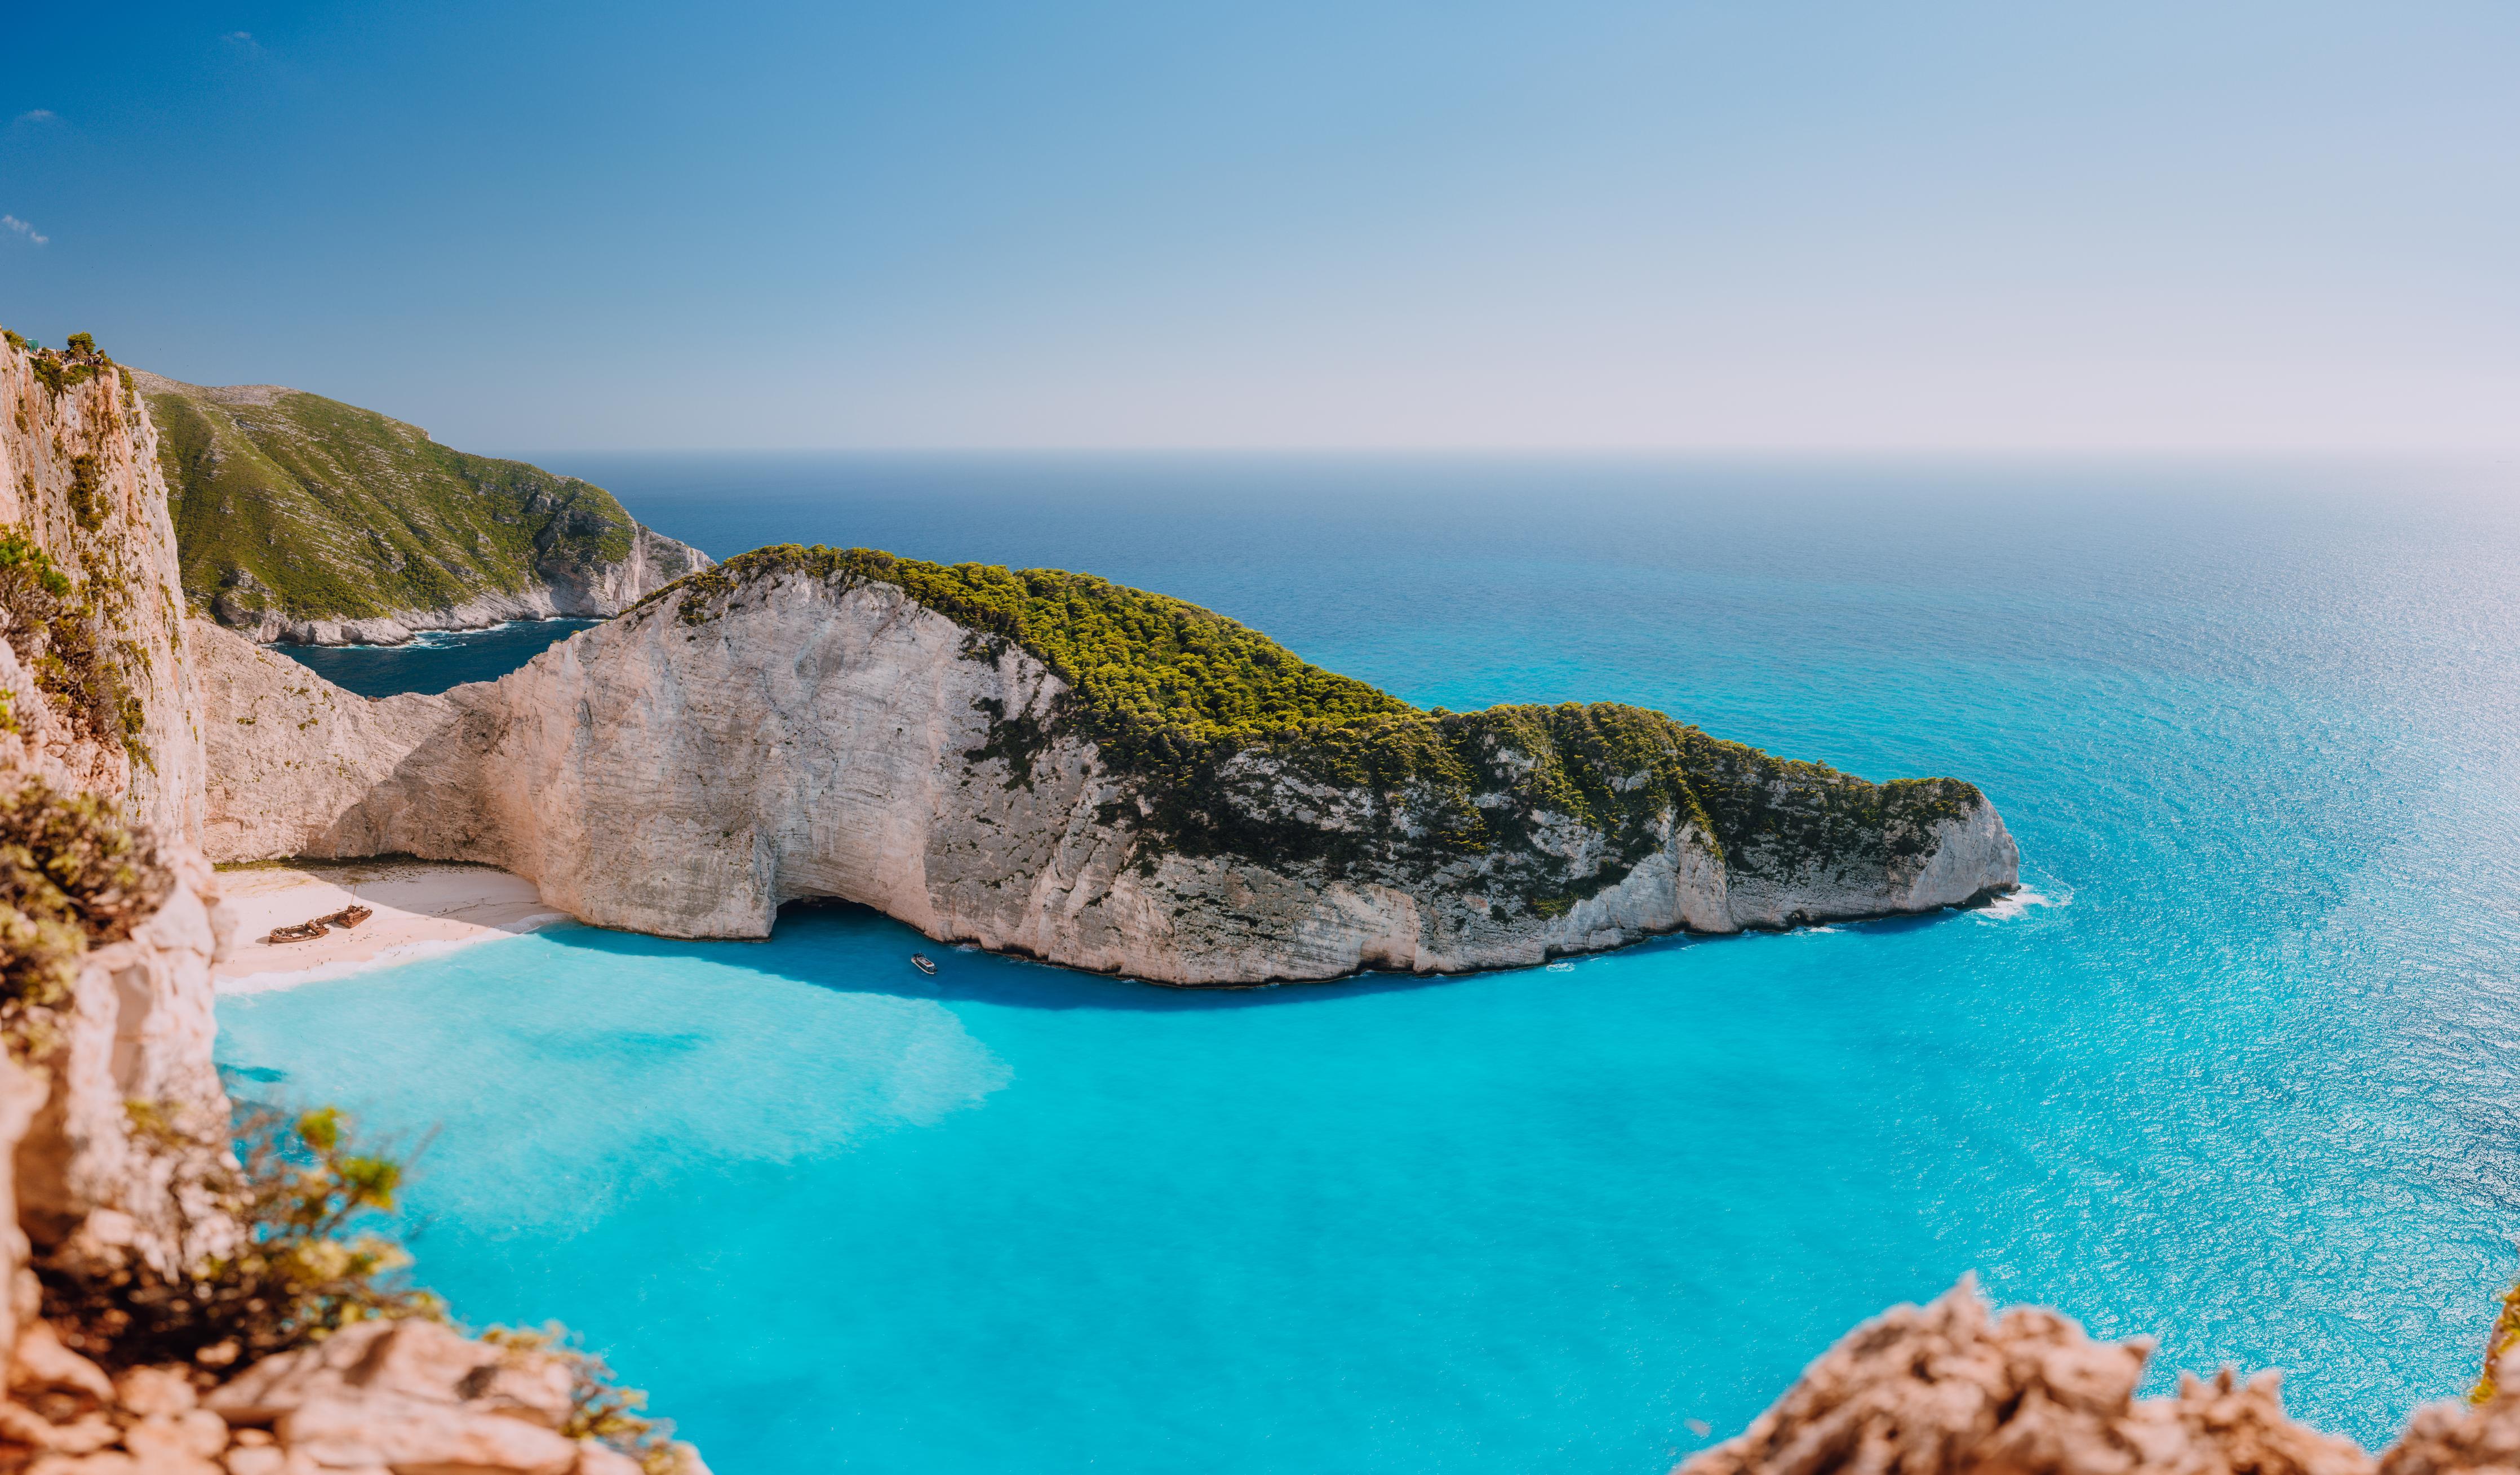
(302, 1268)
(54, 633)
(307, 1264)
(71, 877)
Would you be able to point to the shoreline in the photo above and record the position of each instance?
(422, 909)
(420, 635)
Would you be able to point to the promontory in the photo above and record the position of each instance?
(1048, 764)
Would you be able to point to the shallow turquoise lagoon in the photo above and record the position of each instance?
(2242, 1076)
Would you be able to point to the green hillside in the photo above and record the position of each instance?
(316, 509)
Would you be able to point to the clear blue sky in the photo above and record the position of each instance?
(1553, 224)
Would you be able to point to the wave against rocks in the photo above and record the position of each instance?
(1046, 764)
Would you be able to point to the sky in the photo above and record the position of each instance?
(1868, 225)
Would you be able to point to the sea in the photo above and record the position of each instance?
(2238, 1069)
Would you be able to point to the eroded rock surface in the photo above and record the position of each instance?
(1952, 1388)
(79, 480)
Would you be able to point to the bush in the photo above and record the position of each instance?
(86, 480)
(82, 343)
(54, 635)
(301, 1270)
(599, 1408)
(71, 877)
(305, 1267)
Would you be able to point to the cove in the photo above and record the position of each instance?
(2240, 1079)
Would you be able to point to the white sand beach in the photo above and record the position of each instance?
(421, 908)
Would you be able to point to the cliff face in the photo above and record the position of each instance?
(305, 520)
(796, 728)
(96, 680)
(89, 586)
(116, 1178)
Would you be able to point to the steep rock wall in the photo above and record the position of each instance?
(821, 737)
(79, 479)
(101, 699)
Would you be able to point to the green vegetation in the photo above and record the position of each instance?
(304, 1269)
(55, 634)
(316, 509)
(71, 877)
(309, 1263)
(1173, 694)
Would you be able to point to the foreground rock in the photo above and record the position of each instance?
(816, 724)
(1950, 1389)
(414, 1398)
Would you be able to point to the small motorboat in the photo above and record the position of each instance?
(924, 964)
(305, 931)
(349, 916)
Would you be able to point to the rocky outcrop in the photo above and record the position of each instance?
(1950, 1388)
(688, 767)
(119, 1164)
(100, 697)
(79, 481)
(409, 1396)
(316, 522)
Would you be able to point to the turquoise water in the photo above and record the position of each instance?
(2244, 1078)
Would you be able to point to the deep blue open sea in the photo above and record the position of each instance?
(2247, 1077)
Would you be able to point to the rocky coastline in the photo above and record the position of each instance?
(789, 728)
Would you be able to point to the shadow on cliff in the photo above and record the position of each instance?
(855, 949)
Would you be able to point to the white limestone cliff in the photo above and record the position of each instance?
(114, 1126)
(79, 478)
(822, 738)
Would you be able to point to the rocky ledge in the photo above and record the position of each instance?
(1046, 764)
(406, 1397)
(1950, 1389)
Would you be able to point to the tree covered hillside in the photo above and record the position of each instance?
(304, 505)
